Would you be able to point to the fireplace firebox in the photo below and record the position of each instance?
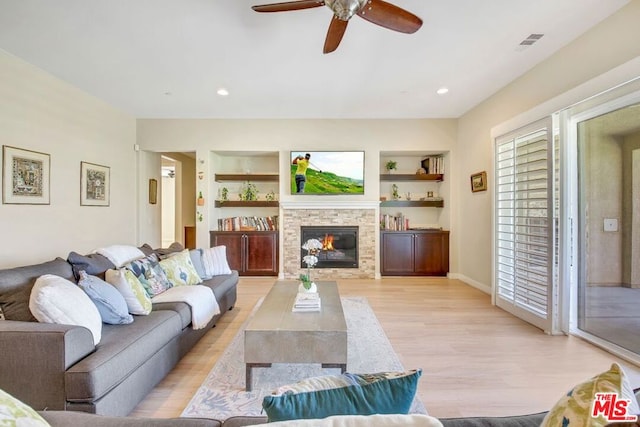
(340, 245)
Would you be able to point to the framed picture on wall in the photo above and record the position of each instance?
(25, 176)
(479, 182)
(94, 184)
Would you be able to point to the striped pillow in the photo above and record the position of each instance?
(215, 261)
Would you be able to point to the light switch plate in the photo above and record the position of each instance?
(611, 224)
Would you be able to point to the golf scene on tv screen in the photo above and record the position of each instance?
(327, 172)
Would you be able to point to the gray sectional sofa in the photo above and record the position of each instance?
(57, 367)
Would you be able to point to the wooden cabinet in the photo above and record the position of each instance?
(252, 253)
(414, 253)
(190, 237)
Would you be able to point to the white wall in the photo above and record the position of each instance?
(608, 45)
(41, 113)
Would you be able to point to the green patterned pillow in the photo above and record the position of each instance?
(180, 270)
(575, 409)
(15, 413)
(138, 302)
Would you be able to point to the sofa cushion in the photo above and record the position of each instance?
(94, 264)
(57, 300)
(138, 302)
(196, 260)
(574, 409)
(215, 261)
(150, 274)
(109, 301)
(120, 255)
(16, 284)
(531, 420)
(346, 394)
(374, 420)
(179, 269)
(14, 412)
(81, 419)
(122, 350)
(181, 308)
(222, 284)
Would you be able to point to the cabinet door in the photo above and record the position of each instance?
(431, 254)
(261, 253)
(397, 253)
(233, 242)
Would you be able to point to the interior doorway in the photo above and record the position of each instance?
(168, 201)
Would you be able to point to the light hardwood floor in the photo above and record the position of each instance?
(476, 358)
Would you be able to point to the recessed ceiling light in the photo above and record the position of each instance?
(222, 92)
(442, 90)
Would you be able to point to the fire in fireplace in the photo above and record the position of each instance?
(339, 245)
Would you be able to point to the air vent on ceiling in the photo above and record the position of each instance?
(529, 41)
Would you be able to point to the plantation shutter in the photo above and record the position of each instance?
(524, 230)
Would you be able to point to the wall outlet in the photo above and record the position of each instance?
(611, 224)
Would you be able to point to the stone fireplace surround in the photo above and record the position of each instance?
(364, 215)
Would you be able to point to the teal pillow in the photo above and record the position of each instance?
(346, 394)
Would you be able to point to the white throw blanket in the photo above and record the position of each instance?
(376, 420)
(201, 299)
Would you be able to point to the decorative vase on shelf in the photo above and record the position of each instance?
(312, 288)
(200, 199)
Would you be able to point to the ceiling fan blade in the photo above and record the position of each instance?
(334, 35)
(287, 6)
(389, 16)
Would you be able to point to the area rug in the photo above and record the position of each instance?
(222, 394)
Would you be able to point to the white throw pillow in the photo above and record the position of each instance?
(120, 255)
(138, 302)
(54, 299)
(215, 261)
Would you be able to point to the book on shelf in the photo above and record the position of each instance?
(433, 164)
(306, 302)
(394, 223)
(258, 223)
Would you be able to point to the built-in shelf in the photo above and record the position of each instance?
(246, 204)
(412, 204)
(411, 177)
(219, 177)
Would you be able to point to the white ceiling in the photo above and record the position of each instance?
(167, 58)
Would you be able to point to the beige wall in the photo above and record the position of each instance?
(41, 113)
(606, 46)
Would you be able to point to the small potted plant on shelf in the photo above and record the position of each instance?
(391, 166)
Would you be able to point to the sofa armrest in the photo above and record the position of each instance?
(35, 357)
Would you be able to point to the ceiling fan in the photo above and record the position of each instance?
(378, 12)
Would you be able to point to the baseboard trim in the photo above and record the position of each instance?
(473, 283)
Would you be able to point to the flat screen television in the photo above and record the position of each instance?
(327, 172)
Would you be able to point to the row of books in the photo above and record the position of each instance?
(306, 302)
(237, 223)
(433, 164)
(394, 223)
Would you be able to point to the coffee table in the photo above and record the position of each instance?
(275, 334)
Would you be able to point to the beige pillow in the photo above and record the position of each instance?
(575, 408)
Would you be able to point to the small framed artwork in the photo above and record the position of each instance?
(25, 176)
(94, 184)
(479, 182)
(153, 191)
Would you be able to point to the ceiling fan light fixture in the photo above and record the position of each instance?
(345, 9)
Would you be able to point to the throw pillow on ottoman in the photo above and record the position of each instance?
(346, 394)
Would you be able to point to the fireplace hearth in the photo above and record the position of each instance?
(340, 245)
